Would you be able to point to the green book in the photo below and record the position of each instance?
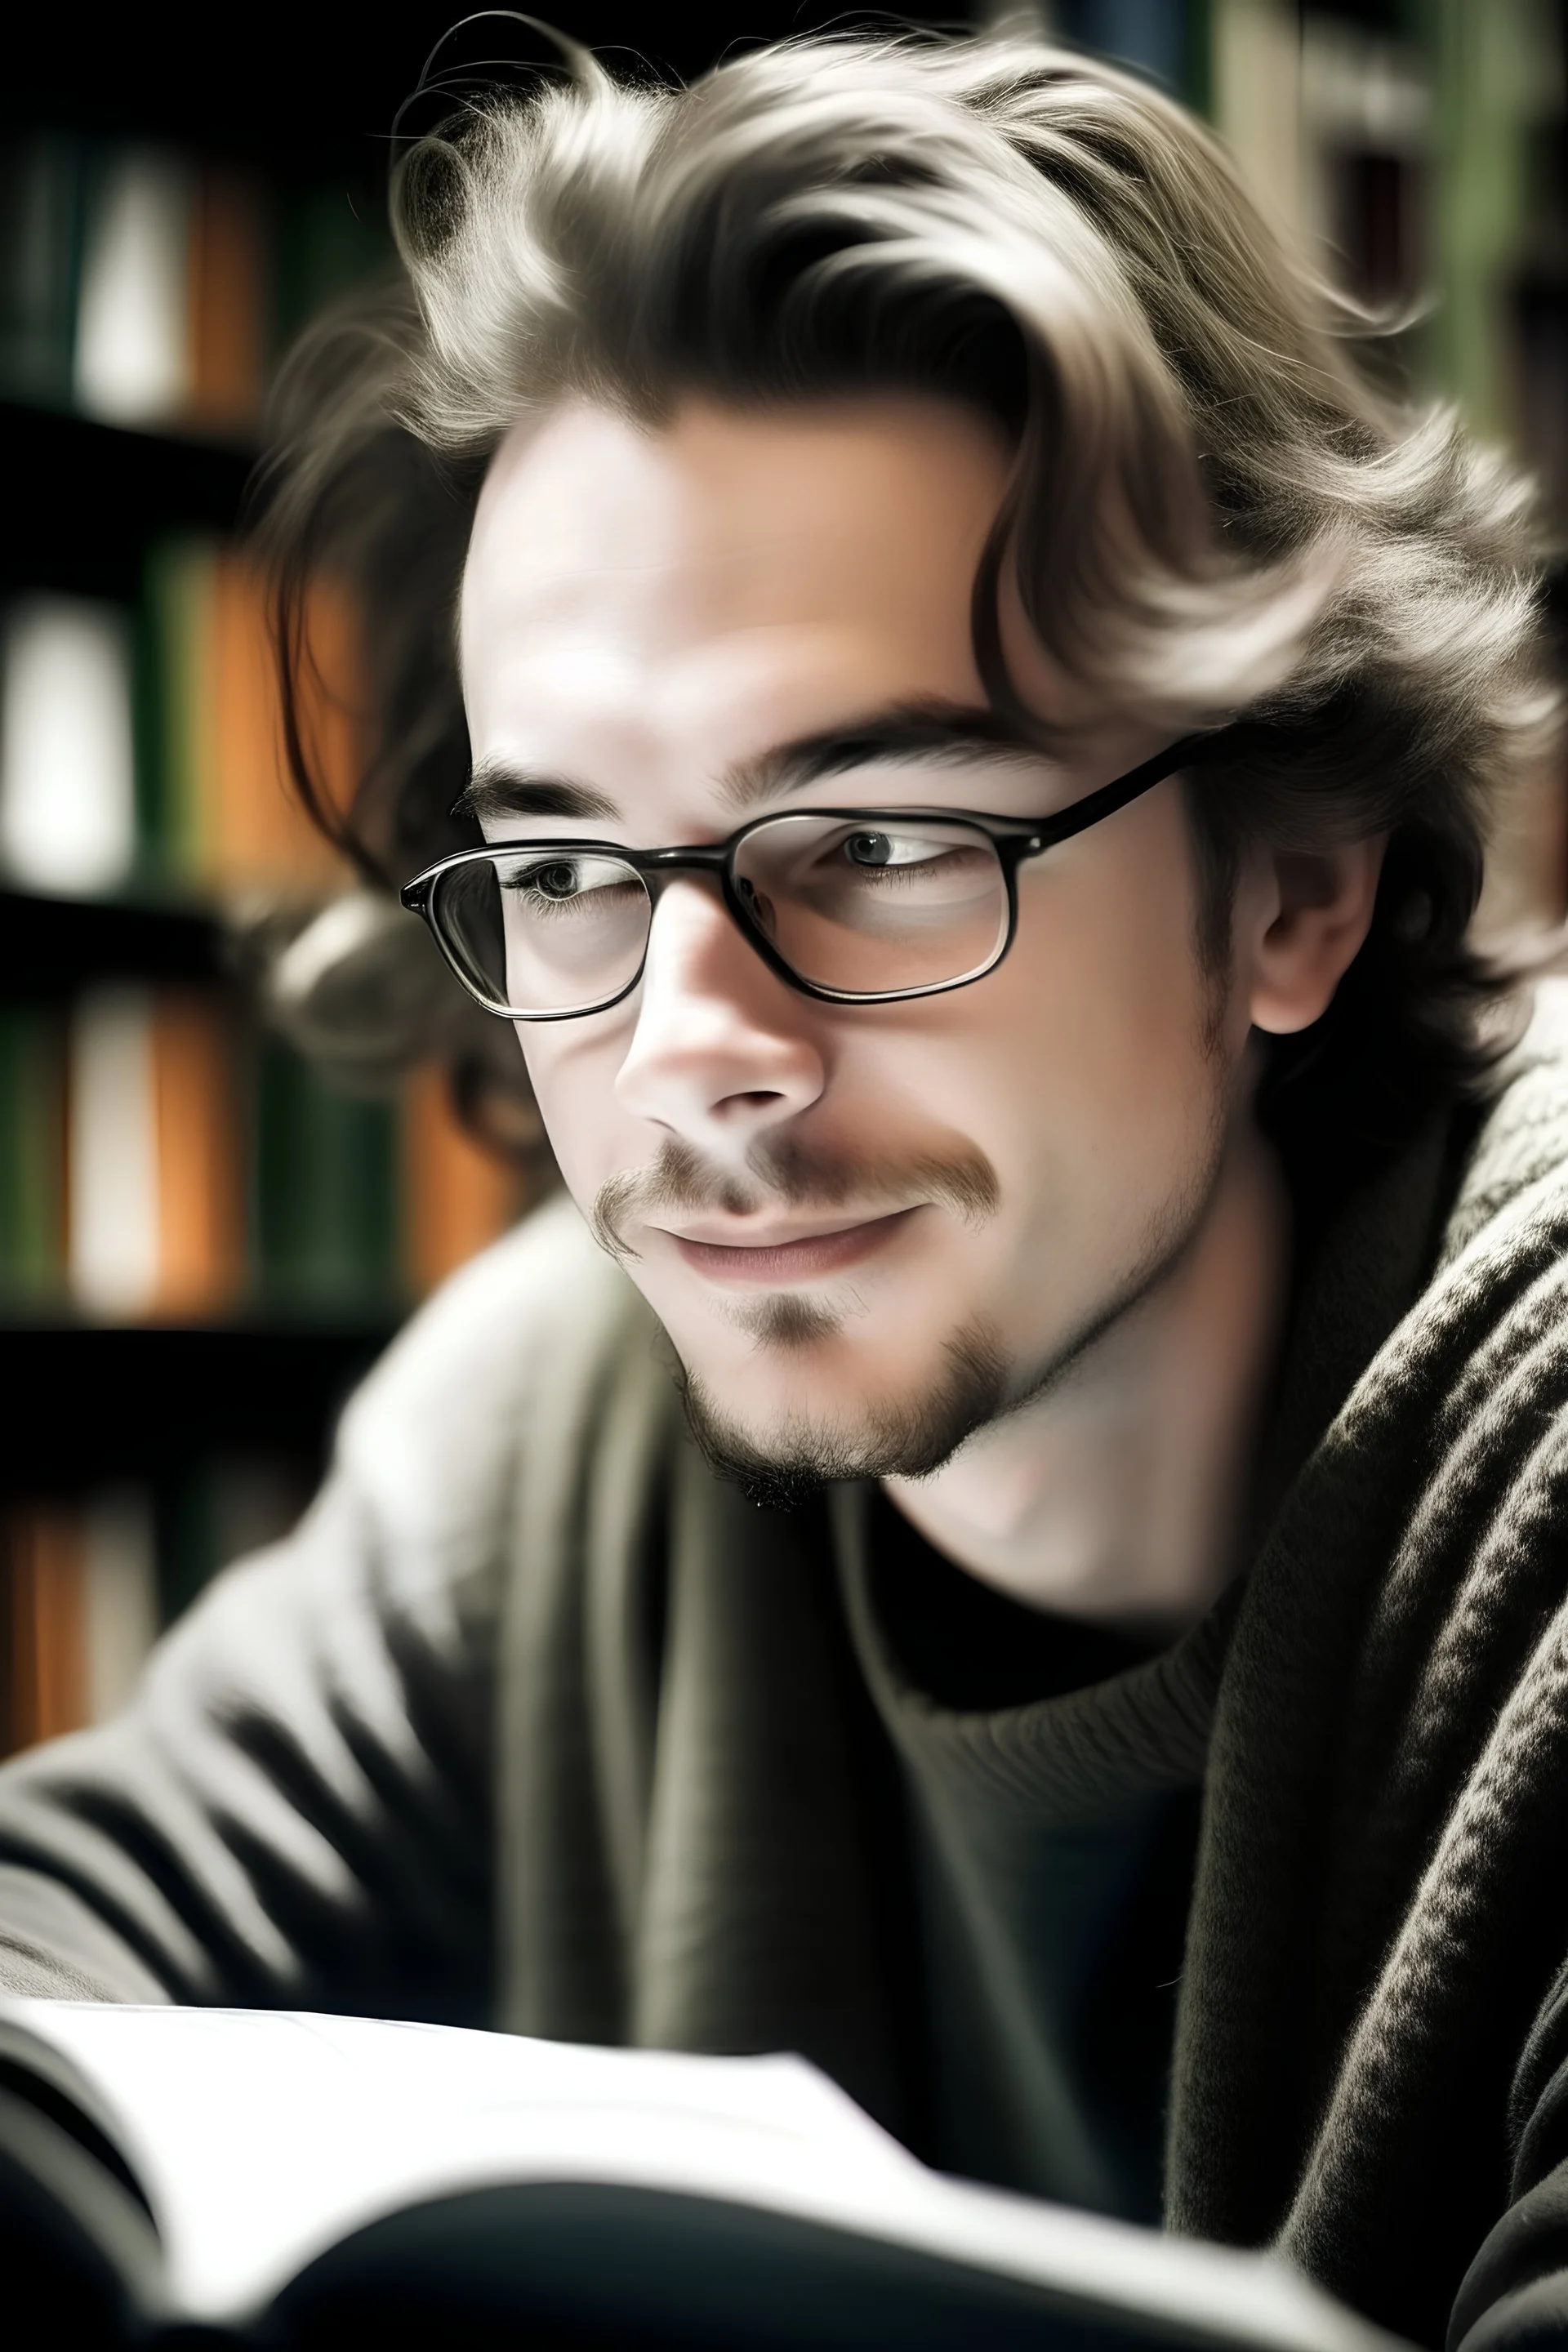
(174, 722)
(220, 1508)
(1197, 57)
(1495, 90)
(325, 1208)
(41, 181)
(32, 1155)
(325, 247)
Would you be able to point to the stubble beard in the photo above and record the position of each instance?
(805, 1454)
(914, 1434)
(896, 1437)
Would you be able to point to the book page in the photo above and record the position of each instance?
(263, 2138)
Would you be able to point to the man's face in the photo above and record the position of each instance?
(866, 1228)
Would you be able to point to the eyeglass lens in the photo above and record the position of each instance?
(857, 906)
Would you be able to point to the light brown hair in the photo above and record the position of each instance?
(1214, 514)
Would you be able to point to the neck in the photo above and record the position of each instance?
(1120, 1493)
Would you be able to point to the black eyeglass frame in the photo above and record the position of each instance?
(1013, 838)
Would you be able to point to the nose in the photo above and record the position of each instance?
(722, 1049)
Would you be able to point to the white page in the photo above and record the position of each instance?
(132, 357)
(263, 2138)
(67, 785)
(121, 1565)
(113, 1158)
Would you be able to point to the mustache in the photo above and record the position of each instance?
(796, 1174)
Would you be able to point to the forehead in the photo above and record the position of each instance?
(828, 551)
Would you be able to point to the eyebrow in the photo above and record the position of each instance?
(494, 789)
(930, 728)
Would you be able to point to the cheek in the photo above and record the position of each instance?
(573, 1079)
(1104, 996)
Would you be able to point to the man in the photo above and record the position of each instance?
(979, 731)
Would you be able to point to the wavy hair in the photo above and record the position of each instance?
(1214, 514)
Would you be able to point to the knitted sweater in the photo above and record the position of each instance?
(533, 1723)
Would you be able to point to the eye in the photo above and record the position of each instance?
(570, 891)
(875, 849)
(567, 881)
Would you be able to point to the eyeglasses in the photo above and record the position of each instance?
(850, 905)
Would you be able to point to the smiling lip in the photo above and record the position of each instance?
(790, 1261)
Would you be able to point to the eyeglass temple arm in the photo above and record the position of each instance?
(1118, 792)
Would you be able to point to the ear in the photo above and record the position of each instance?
(1301, 919)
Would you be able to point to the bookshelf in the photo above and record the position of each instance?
(1421, 145)
(162, 1418)
(50, 945)
(148, 1399)
(1422, 140)
(111, 490)
(204, 1244)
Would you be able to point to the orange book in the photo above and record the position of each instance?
(456, 1195)
(201, 1255)
(45, 1570)
(227, 303)
(256, 833)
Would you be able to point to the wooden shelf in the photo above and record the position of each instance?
(85, 1403)
(49, 947)
(84, 499)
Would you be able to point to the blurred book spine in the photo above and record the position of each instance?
(132, 344)
(43, 1553)
(120, 1613)
(229, 302)
(40, 264)
(160, 1160)
(456, 1195)
(88, 1582)
(215, 807)
(150, 289)
(177, 719)
(1417, 152)
(146, 745)
(1498, 72)
(216, 1511)
(326, 1221)
(199, 1138)
(112, 1223)
(68, 752)
(324, 248)
(257, 833)
(32, 1154)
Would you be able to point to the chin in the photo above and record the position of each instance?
(786, 1428)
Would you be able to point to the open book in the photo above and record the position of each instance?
(304, 2180)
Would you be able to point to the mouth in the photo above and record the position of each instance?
(797, 1257)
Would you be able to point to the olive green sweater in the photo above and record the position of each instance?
(533, 1723)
